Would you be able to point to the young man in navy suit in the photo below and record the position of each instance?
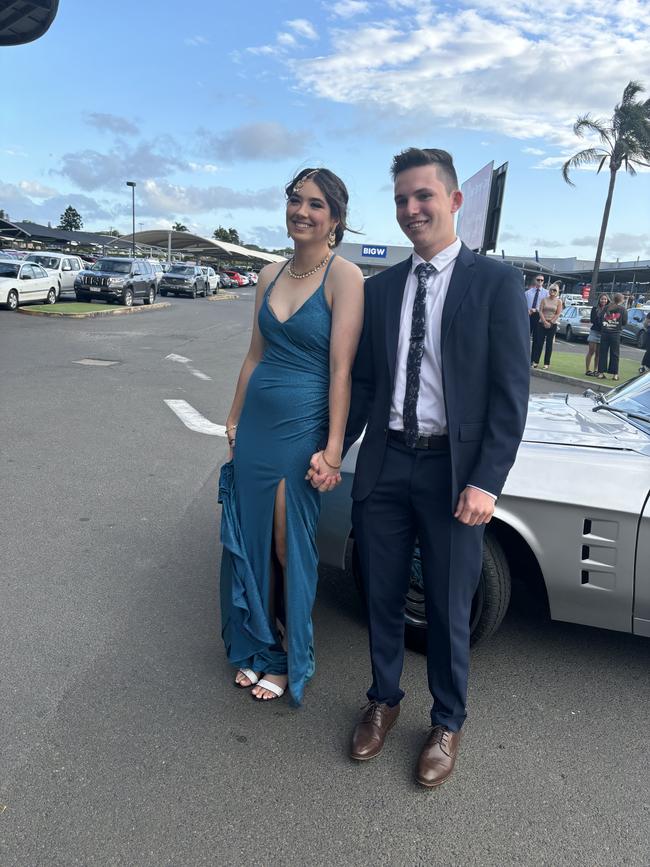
(441, 385)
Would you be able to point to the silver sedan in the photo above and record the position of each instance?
(573, 522)
(574, 322)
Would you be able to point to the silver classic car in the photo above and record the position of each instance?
(573, 521)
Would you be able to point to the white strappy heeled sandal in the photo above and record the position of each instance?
(278, 691)
(250, 674)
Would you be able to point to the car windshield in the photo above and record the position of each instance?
(45, 261)
(182, 269)
(112, 266)
(632, 397)
(7, 269)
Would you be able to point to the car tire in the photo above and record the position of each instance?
(194, 293)
(163, 293)
(51, 297)
(640, 339)
(489, 605)
(151, 296)
(569, 334)
(83, 299)
(12, 300)
(127, 297)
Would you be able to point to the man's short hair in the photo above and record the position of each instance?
(442, 160)
(617, 298)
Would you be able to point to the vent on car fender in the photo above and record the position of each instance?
(598, 553)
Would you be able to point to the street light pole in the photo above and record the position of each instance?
(132, 185)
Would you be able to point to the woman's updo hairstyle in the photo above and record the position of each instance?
(335, 192)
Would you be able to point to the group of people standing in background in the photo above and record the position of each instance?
(608, 318)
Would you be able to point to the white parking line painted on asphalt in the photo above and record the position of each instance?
(193, 419)
(200, 374)
(180, 358)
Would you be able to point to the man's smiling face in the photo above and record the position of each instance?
(425, 209)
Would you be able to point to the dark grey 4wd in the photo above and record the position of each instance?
(117, 279)
(184, 279)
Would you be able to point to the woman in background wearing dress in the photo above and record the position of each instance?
(290, 408)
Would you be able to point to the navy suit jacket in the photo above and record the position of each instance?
(485, 345)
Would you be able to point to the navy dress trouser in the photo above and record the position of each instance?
(412, 499)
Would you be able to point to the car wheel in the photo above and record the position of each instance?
(194, 293)
(12, 300)
(489, 604)
(163, 292)
(81, 297)
(569, 334)
(127, 297)
(51, 297)
(151, 296)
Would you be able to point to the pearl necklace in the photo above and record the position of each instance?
(295, 276)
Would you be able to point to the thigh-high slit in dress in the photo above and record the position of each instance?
(284, 420)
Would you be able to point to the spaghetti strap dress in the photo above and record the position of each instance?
(284, 420)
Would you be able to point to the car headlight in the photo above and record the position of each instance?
(116, 281)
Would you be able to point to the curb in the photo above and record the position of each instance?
(223, 296)
(119, 311)
(570, 380)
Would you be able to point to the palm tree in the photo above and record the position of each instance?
(179, 227)
(624, 142)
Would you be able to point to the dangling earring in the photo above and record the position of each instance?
(331, 238)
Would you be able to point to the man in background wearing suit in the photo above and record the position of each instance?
(535, 294)
(441, 385)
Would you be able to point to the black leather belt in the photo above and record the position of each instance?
(431, 442)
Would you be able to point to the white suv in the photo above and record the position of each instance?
(64, 265)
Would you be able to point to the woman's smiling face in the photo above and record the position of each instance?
(309, 217)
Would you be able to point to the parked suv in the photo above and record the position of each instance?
(65, 266)
(114, 278)
(183, 279)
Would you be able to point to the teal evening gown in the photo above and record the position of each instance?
(284, 420)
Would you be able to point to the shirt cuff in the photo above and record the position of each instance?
(476, 488)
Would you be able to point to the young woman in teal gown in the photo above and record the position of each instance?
(289, 411)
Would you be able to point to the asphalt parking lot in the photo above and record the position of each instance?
(122, 741)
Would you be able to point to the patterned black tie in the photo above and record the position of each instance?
(416, 350)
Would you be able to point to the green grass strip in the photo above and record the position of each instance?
(573, 364)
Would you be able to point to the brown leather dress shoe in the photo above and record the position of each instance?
(371, 730)
(438, 756)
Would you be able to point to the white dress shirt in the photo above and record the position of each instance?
(431, 405)
(432, 418)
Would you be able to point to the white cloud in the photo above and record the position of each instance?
(302, 27)
(286, 39)
(489, 66)
(208, 168)
(36, 189)
(536, 152)
(348, 8)
(195, 41)
(161, 198)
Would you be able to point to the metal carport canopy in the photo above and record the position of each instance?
(186, 242)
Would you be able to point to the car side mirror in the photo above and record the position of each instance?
(66, 268)
(25, 277)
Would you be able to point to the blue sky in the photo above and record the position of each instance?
(211, 107)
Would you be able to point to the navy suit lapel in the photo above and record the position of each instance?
(394, 296)
(458, 285)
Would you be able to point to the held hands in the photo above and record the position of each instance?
(322, 475)
(474, 507)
